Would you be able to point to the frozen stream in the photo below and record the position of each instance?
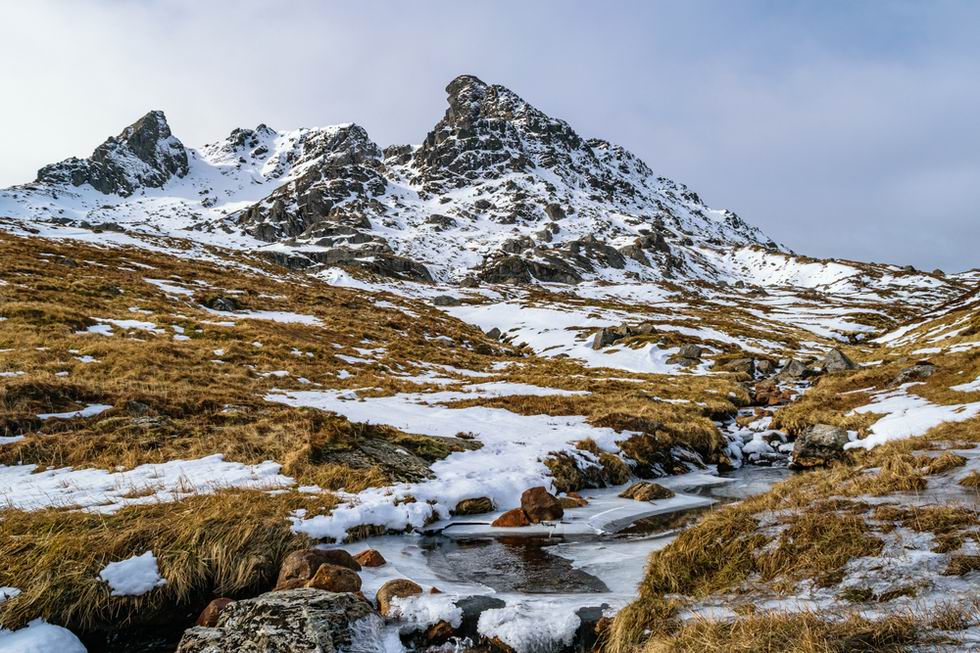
(541, 588)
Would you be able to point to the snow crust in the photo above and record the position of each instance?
(133, 576)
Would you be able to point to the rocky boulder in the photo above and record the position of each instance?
(209, 615)
(515, 518)
(370, 558)
(294, 621)
(394, 589)
(918, 372)
(819, 445)
(794, 370)
(476, 506)
(301, 566)
(540, 505)
(334, 578)
(646, 491)
(837, 361)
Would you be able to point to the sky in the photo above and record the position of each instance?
(843, 129)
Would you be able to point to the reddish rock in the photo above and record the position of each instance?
(512, 519)
(370, 558)
(644, 491)
(540, 505)
(435, 590)
(439, 633)
(303, 564)
(209, 616)
(398, 588)
(334, 578)
(568, 502)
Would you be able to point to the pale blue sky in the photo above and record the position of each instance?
(840, 128)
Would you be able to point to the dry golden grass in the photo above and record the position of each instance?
(789, 633)
(227, 544)
(821, 529)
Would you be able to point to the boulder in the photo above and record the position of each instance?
(370, 558)
(296, 621)
(819, 445)
(540, 505)
(690, 351)
(334, 578)
(646, 491)
(476, 506)
(494, 333)
(837, 361)
(764, 366)
(554, 211)
(515, 518)
(917, 372)
(446, 300)
(604, 337)
(302, 565)
(794, 370)
(743, 365)
(209, 615)
(397, 588)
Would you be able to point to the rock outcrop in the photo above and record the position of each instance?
(145, 154)
(294, 621)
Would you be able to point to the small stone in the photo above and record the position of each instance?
(569, 502)
(646, 491)
(439, 633)
(540, 505)
(511, 519)
(209, 616)
(476, 506)
(334, 578)
(370, 558)
(397, 588)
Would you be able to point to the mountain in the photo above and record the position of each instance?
(497, 191)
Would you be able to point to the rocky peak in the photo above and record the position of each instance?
(145, 154)
(489, 131)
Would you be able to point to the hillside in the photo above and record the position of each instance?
(215, 360)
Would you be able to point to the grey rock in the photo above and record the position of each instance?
(794, 370)
(837, 361)
(819, 445)
(604, 337)
(446, 300)
(292, 621)
(145, 154)
(692, 352)
(917, 372)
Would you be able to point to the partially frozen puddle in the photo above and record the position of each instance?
(541, 588)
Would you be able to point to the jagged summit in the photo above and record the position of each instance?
(145, 154)
(497, 191)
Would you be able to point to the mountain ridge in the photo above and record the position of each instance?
(497, 190)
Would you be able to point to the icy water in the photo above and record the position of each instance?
(555, 581)
(546, 583)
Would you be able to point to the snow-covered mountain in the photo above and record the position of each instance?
(497, 190)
